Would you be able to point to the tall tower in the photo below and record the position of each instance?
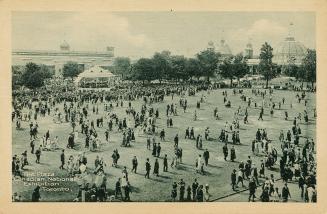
(248, 51)
(290, 29)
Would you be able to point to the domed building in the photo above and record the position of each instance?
(64, 46)
(223, 48)
(289, 52)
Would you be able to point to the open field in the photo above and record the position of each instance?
(159, 188)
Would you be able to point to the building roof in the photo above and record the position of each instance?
(289, 51)
(64, 46)
(223, 48)
(95, 72)
(51, 53)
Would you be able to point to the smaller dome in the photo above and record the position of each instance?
(223, 48)
(211, 45)
(64, 46)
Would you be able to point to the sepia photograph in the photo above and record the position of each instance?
(163, 106)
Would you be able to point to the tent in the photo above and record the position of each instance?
(96, 77)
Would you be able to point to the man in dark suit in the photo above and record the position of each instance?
(134, 163)
(165, 163)
(147, 168)
(233, 179)
(36, 194)
(252, 188)
(225, 151)
(206, 156)
(118, 189)
(158, 150)
(195, 186)
(62, 159)
(285, 193)
(176, 140)
(38, 155)
(32, 144)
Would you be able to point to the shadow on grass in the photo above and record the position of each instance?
(164, 176)
(43, 164)
(214, 166)
(173, 173)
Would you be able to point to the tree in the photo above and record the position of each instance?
(122, 66)
(143, 70)
(71, 69)
(266, 65)
(178, 65)
(234, 67)
(226, 69)
(34, 75)
(209, 62)
(309, 66)
(193, 68)
(240, 67)
(16, 77)
(293, 71)
(162, 66)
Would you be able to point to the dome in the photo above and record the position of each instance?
(64, 46)
(211, 45)
(249, 46)
(223, 48)
(289, 51)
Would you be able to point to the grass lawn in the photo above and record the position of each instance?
(159, 188)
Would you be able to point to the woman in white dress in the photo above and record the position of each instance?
(48, 145)
(70, 165)
(206, 193)
(199, 164)
(311, 191)
(54, 143)
(75, 136)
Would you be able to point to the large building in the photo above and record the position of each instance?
(286, 53)
(56, 59)
(289, 52)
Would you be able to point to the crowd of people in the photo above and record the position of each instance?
(91, 114)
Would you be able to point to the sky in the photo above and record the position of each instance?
(141, 34)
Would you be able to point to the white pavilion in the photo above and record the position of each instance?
(96, 77)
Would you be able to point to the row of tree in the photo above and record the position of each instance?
(307, 70)
(207, 63)
(33, 75)
(163, 66)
